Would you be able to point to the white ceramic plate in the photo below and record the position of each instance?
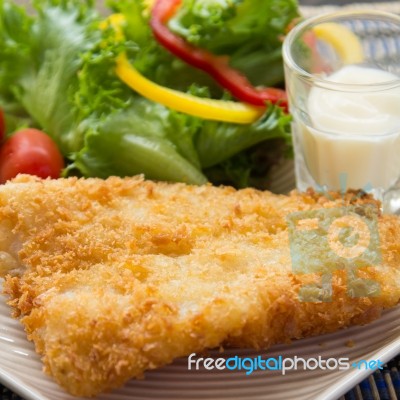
(21, 368)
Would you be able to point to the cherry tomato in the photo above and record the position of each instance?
(2, 126)
(30, 151)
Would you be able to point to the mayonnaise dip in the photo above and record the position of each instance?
(353, 133)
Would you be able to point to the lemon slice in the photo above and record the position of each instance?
(343, 40)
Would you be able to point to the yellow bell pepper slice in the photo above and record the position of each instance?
(218, 110)
(227, 111)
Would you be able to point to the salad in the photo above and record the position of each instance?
(177, 90)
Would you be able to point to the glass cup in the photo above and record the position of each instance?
(342, 75)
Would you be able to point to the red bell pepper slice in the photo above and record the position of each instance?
(2, 126)
(216, 66)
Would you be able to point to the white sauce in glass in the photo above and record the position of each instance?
(354, 134)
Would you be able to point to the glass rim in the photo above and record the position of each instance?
(320, 81)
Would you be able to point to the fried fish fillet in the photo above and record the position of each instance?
(111, 278)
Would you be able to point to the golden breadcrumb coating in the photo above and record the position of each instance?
(115, 277)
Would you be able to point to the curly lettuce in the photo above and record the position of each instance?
(250, 32)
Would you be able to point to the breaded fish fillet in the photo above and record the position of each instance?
(115, 277)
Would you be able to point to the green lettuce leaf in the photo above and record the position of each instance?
(14, 61)
(217, 142)
(40, 60)
(222, 26)
(248, 31)
(135, 141)
(250, 167)
(151, 59)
